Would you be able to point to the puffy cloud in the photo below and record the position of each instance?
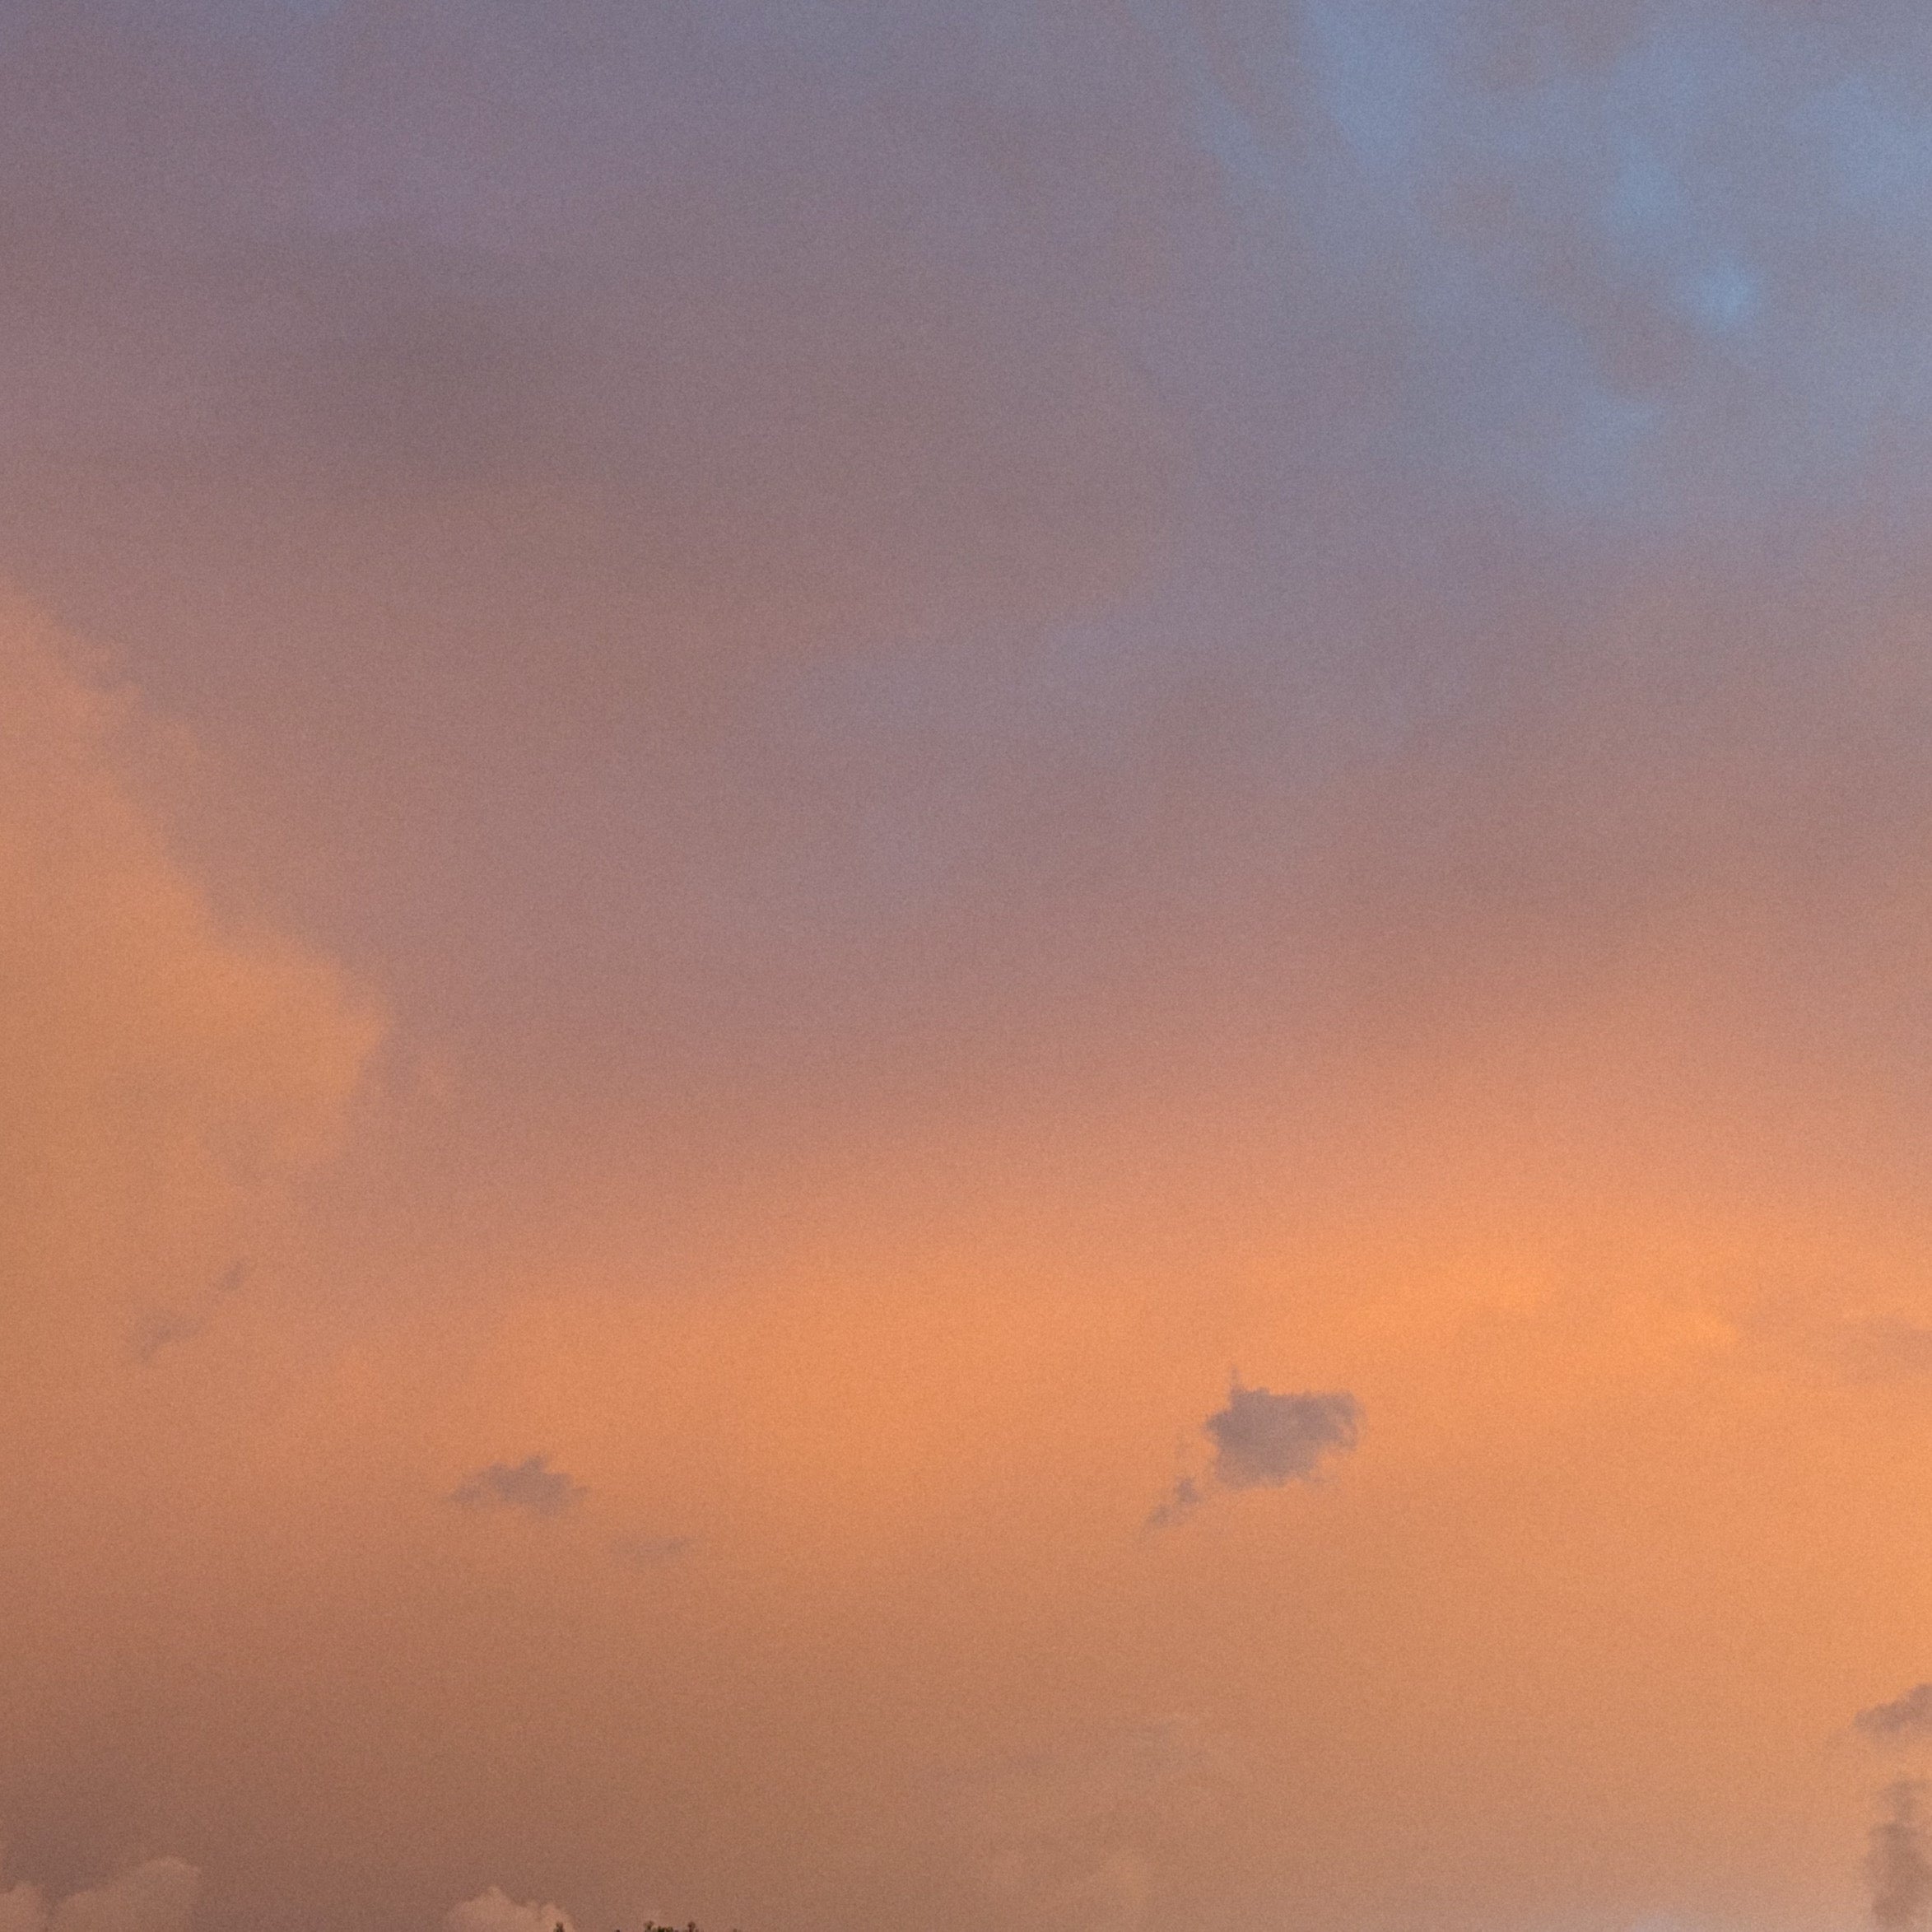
(494, 1911)
(1908, 1716)
(1897, 1866)
(531, 1485)
(1264, 1440)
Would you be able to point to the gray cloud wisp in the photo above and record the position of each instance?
(1905, 1717)
(1897, 1865)
(531, 1485)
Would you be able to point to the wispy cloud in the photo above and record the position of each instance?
(161, 1328)
(1908, 1716)
(531, 1485)
(1897, 1865)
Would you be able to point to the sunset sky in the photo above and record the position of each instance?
(965, 966)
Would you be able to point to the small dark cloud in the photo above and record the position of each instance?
(1908, 1716)
(1264, 1440)
(650, 1552)
(1896, 1866)
(531, 1485)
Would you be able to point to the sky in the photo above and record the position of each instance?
(966, 967)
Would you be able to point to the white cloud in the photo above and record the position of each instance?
(494, 1911)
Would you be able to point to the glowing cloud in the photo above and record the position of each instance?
(494, 1911)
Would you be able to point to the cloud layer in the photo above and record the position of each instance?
(821, 744)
